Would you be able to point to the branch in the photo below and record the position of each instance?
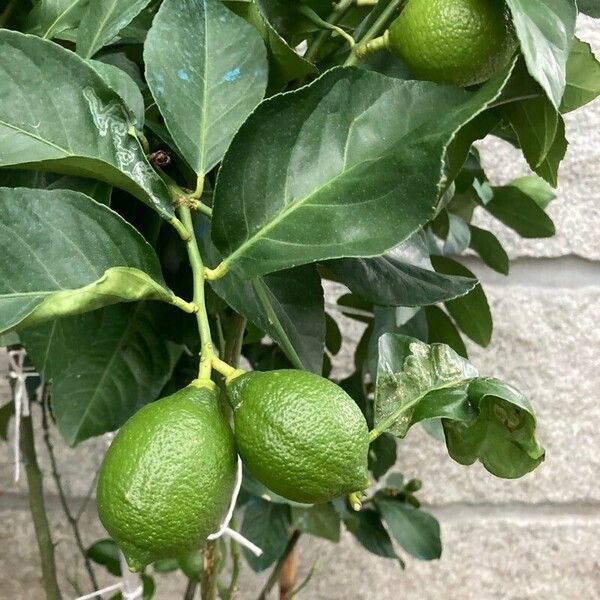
(61, 492)
(276, 572)
(35, 486)
(210, 574)
(190, 590)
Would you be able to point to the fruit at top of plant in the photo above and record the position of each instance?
(167, 479)
(460, 42)
(300, 434)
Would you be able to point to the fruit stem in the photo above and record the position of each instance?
(379, 43)
(225, 369)
(207, 351)
(335, 17)
(375, 30)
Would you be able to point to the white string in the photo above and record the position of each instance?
(224, 529)
(18, 372)
(110, 588)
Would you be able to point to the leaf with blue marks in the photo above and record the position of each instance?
(207, 70)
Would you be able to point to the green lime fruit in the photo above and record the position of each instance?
(167, 479)
(301, 435)
(459, 42)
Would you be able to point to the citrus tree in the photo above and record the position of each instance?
(180, 182)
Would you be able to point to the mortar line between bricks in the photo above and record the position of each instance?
(567, 272)
(447, 513)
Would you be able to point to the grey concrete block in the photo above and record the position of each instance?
(576, 211)
(497, 558)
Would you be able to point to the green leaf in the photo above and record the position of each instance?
(536, 188)
(97, 190)
(458, 237)
(520, 212)
(382, 455)
(347, 166)
(333, 335)
(125, 87)
(412, 377)
(589, 7)
(105, 553)
(320, 520)
(6, 414)
(93, 141)
(50, 18)
(545, 29)
(266, 525)
(204, 88)
(103, 366)
(103, 20)
(285, 64)
(486, 244)
(415, 530)
(441, 329)
(583, 76)
(471, 312)
(62, 253)
(540, 130)
(288, 306)
(367, 528)
(483, 418)
(402, 277)
(502, 436)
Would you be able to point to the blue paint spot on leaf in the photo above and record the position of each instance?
(232, 75)
(183, 75)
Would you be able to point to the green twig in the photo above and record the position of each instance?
(35, 486)
(335, 17)
(374, 31)
(61, 493)
(234, 549)
(303, 584)
(276, 572)
(314, 18)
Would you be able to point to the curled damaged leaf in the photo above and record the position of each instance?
(77, 257)
(483, 418)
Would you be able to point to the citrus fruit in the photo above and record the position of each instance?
(167, 479)
(301, 435)
(460, 42)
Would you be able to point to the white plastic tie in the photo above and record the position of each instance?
(224, 529)
(20, 373)
(131, 585)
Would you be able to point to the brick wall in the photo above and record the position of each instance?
(538, 537)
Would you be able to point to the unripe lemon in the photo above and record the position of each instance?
(167, 479)
(460, 42)
(300, 434)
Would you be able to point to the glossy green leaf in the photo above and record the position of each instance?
(285, 64)
(367, 528)
(583, 77)
(125, 87)
(471, 312)
(97, 190)
(62, 253)
(589, 7)
(103, 365)
(415, 530)
(442, 330)
(382, 455)
(320, 520)
(207, 70)
(520, 212)
(458, 237)
(266, 525)
(536, 188)
(50, 18)
(103, 20)
(402, 277)
(333, 335)
(545, 29)
(105, 553)
(502, 436)
(490, 250)
(347, 166)
(93, 141)
(415, 379)
(287, 305)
